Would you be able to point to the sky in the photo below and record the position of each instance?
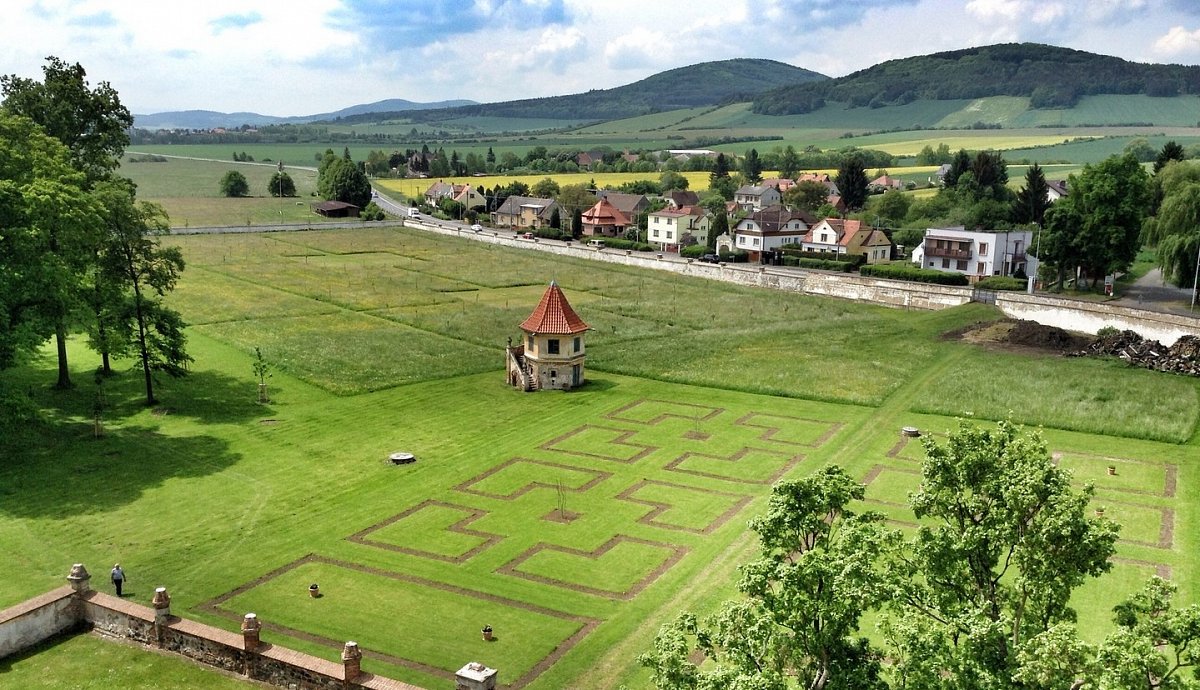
(314, 56)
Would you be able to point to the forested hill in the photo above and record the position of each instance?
(1050, 76)
(708, 83)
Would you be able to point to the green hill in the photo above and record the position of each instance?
(705, 84)
(1049, 76)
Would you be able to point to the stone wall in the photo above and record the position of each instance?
(76, 606)
(1089, 317)
(28, 623)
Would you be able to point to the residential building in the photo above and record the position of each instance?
(975, 253)
(633, 206)
(464, 194)
(886, 182)
(781, 183)
(1056, 189)
(678, 198)
(821, 178)
(604, 220)
(848, 237)
(667, 227)
(753, 198)
(525, 212)
(771, 228)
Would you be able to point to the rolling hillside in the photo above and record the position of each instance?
(209, 119)
(708, 83)
(1049, 76)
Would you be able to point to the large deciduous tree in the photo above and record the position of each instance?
(1005, 540)
(142, 272)
(281, 184)
(1110, 200)
(804, 595)
(807, 195)
(342, 180)
(93, 125)
(233, 184)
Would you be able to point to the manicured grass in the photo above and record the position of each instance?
(700, 395)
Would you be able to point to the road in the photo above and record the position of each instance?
(1152, 293)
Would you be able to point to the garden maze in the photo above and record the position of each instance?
(600, 512)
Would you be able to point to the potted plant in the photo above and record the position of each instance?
(487, 633)
(314, 591)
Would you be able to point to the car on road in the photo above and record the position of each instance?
(477, 227)
(413, 212)
(710, 259)
(527, 236)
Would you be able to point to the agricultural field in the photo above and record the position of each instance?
(572, 523)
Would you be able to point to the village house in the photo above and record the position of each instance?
(668, 227)
(975, 253)
(1056, 189)
(464, 194)
(524, 212)
(632, 206)
(751, 198)
(886, 182)
(552, 350)
(770, 228)
(848, 237)
(604, 220)
(678, 198)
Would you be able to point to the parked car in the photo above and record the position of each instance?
(477, 227)
(710, 259)
(527, 235)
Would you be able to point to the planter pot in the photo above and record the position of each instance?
(314, 591)
(487, 634)
(1112, 470)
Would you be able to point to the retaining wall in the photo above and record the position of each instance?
(30, 622)
(1089, 317)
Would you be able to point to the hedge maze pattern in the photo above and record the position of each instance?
(1138, 494)
(657, 473)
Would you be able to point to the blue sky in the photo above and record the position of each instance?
(311, 56)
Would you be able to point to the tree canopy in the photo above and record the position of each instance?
(233, 183)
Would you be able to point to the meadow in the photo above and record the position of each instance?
(572, 523)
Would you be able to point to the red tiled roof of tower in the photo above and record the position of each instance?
(554, 315)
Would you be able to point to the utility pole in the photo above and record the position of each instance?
(1196, 280)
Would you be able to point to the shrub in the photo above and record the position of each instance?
(620, 243)
(1001, 283)
(824, 264)
(695, 251)
(234, 184)
(913, 274)
(855, 260)
(737, 256)
(372, 212)
(550, 234)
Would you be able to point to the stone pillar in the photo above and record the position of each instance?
(80, 579)
(351, 661)
(475, 676)
(251, 629)
(162, 605)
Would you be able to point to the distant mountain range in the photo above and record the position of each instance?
(1050, 76)
(210, 119)
(703, 84)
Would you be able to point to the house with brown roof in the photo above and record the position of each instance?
(848, 237)
(552, 349)
(633, 206)
(604, 220)
(464, 194)
(822, 178)
(678, 198)
(524, 212)
(886, 182)
(771, 228)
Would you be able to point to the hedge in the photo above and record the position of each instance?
(854, 259)
(1001, 283)
(824, 264)
(620, 243)
(695, 251)
(913, 274)
(738, 256)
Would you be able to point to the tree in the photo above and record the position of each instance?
(233, 184)
(720, 226)
(1111, 199)
(1141, 150)
(892, 207)
(725, 186)
(815, 575)
(281, 184)
(133, 259)
(343, 181)
(960, 164)
(575, 197)
(546, 188)
(852, 182)
(1154, 642)
(752, 167)
(720, 168)
(94, 126)
(1005, 540)
(806, 196)
(91, 123)
(555, 218)
(789, 162)
(262, 372)
(1033, 199)
(42, 200)
(670, 180)
(1175, 233)
(1171, 151)
(577, 223)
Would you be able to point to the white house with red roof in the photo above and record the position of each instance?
(552, 348)
(841, 236)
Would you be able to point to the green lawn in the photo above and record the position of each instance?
(574, 524)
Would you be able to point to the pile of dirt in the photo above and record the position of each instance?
(1032, 334)
(1181, 358)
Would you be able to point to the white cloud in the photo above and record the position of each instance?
(1178, 41)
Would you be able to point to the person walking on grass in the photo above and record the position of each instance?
(118, 577)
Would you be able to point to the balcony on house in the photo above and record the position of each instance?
(947, 248)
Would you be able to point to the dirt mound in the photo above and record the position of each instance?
(1181, 358)
(1032, 334)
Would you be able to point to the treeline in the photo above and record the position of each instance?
(1051, 77)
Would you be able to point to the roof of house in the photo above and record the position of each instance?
(682, 197)
(554, 315)
(625, 203)
(604, 213)
(333, 206)
(1058, 186)
(845, 229)
(781, 183)
(753, 190)
(513, 204)
(775, 219)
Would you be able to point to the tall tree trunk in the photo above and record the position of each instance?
(64, 371)
(141, 321)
